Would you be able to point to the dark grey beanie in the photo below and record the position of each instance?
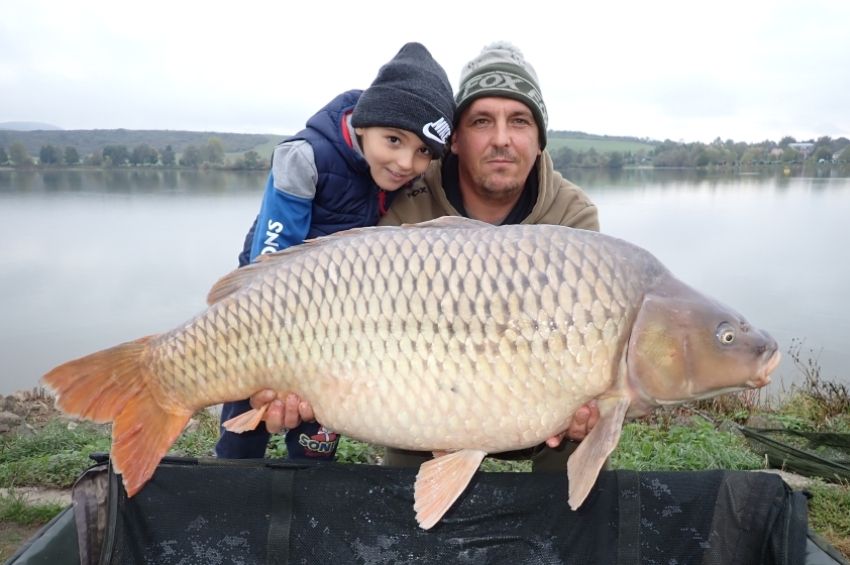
(411, 92)
(501, 71)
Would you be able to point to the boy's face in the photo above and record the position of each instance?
(395, 156)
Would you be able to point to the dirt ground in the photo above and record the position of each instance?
(27, 411)
(12, 536)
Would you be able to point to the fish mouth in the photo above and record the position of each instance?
(763, 376)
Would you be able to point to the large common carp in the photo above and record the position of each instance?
(428, 337)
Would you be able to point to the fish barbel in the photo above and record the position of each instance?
(451, 336)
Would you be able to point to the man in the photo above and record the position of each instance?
(497, 172)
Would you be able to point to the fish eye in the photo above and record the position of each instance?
(725, 333)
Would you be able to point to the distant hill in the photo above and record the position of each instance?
(581, 141)
(585, 135)
(27, 126)
(88, 141)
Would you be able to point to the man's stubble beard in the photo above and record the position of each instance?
(498, 192)
(497, 188)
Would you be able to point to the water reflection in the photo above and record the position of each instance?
(92, 258)
(665, 181)
(602, 179)
(130, 181)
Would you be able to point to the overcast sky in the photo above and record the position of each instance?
(740, 69)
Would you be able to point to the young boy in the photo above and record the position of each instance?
(341, 172)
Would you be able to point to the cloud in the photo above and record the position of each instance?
(746, 70)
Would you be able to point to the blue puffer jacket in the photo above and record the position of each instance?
(345, 197)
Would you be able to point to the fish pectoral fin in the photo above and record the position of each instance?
(246, 421)
(441, 481)
(587, 460)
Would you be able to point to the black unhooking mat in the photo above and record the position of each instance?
(211, 512)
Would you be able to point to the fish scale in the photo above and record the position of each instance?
(451, 336)
(367, 360)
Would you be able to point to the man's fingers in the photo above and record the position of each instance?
(584, 419)
(261, 398)
(581, 416)
(555, 441)
(305, 410)
(291, 418)
(286, 413)
(274, 417)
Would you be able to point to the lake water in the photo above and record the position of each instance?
(91, 259)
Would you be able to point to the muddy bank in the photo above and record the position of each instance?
(26, 411)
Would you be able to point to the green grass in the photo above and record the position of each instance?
(264, 150)
(20, 518)
(802, 411)
(200, 440)
(17, 509)
(699, 445)
(53, 457)
(829, 514)
(353, 451)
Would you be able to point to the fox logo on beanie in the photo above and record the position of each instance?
(411, 92)
(500, 70)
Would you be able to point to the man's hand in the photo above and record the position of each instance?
(583, 421)
(284, 413)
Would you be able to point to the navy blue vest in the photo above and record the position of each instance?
(346, 196)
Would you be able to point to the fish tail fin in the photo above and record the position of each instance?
(114, 385)
(141, 436)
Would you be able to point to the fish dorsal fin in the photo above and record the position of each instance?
(232, 282)
(450, 222)
(440, 482)
(587, 460)
(241, 277)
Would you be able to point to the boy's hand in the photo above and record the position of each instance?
(284, 413)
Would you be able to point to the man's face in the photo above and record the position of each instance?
(497, 143)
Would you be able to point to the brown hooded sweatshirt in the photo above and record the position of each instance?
(559, 201)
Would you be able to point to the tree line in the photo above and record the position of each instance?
(210, 155)
(719, 153)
